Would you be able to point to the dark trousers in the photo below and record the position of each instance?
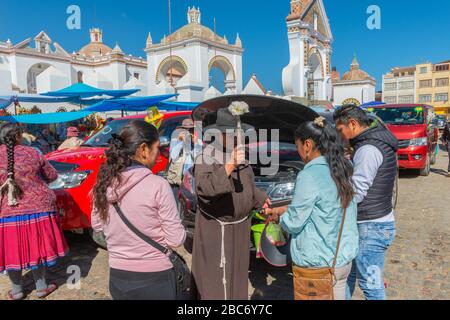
(126, 285)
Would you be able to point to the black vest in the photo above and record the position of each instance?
(378, 202)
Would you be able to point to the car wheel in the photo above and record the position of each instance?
(99, 239)
(395, 193)
(425, 172)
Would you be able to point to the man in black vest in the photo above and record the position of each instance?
(375, 172)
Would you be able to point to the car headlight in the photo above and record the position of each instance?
(282, 192)
(69, 180)
(418, 142)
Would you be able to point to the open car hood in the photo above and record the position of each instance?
(265, 113)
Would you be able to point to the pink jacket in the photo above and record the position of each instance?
(148, 203)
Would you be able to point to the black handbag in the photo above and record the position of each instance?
(179, 264)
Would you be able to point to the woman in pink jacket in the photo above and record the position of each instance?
(137, 270)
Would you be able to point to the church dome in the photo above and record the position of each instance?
(96, 47)
(355, 72)
(194, 29)
(95, 50)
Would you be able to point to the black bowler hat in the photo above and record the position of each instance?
(226, 121)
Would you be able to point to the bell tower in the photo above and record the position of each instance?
(297, 8)
(194, 15)
(96, 35)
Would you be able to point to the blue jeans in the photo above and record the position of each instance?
(368, 267)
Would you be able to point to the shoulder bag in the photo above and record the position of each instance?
(317, 284)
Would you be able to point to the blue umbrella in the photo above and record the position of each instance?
(177, 106)
(47, 118)
(372, 104)
(82, 90)
(130, 104)
(6, 101)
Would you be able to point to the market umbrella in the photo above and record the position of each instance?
(372, 104)
(7, 100)
(129, 104)
(47, 118)
(82, 90)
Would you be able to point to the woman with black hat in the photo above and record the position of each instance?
(226, 195)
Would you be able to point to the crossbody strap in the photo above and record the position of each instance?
(144, 237)
(339, 238)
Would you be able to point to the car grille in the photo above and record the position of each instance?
(403, 157)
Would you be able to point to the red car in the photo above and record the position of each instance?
(413, 126)
(78, 169)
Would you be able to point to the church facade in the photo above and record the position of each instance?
(308, 74)
(182, 62)
(40, 65)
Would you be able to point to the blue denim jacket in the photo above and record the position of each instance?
(314, 219)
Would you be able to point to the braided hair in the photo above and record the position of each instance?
(9, 135)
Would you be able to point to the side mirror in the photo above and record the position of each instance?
(164, 142)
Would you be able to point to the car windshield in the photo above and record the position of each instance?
(101, 139)
(401, 116)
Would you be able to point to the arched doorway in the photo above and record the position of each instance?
(80, 77)
(172, 69)
(32, 74)
(315, 77)
(221, 74)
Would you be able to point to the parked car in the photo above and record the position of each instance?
(78, 170)
(416, 131)
(266, 113)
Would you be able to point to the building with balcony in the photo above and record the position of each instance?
(433, 87)
(399, 85)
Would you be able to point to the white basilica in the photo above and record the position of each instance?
(40, 65)
(182, 62)
(308, 75)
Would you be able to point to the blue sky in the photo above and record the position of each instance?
(411, 32)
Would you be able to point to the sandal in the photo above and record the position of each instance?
(16, 297)
(45, 293)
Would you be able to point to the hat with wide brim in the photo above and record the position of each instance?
(277, 256)
(227, 122)
(187, 124)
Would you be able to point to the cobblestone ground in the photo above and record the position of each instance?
(417, 266)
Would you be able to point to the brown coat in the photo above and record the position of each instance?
(228, 199)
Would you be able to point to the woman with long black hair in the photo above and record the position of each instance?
(138, 271)
(322, 216)
(31, 237)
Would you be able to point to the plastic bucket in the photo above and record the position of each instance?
(257, 231)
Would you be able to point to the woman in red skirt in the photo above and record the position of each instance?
(31, 237)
